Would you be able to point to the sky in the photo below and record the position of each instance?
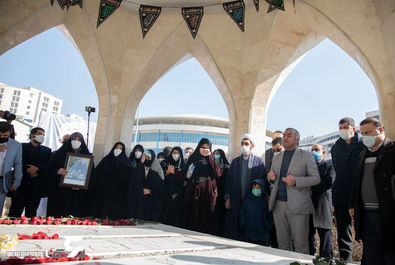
(324, 87)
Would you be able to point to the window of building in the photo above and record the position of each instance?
(46, 99)
(28, 107)
(31, 95)
(1, 90)
(55, 108)
(13, 110)
(45, 105)
(27, 113)
(15, 92)
(56, 103)
(30, 101)
(1, 95)
(44, 109)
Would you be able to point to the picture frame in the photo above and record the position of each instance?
(79, 169)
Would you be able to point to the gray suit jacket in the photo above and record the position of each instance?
(13, 160)
(304, 168)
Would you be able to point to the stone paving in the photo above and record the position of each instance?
(151, 243)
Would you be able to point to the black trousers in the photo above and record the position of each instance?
(344, 232)
(24, 199)
(372, 241)
(325, 236)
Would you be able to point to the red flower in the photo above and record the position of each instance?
(34, 236)
(7, 221)
(94, 223)
(57, 223)
(74, 222)
(1, 221)
(55, 236)
(25, 222)
(23, 218)
(68, 222)
(48, 222)
(16, 222)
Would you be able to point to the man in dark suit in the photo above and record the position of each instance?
(270, 152)
(33, 185)
(372, 201)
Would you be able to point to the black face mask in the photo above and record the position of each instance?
(3, 140)
(148, 163)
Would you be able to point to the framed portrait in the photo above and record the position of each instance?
(78, 171)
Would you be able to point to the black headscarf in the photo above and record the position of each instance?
(161, 154)
(223, 162)
(196, 156)
(132, 156)
(122, 158)
(180, 163)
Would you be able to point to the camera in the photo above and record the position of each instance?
(90, 109)
(7, 115)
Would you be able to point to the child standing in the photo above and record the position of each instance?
(255, 218)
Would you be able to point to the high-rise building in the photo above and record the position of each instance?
(27, 103)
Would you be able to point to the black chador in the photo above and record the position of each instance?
(146, 190)
(174, 187)
(64, 201)
(111, 184)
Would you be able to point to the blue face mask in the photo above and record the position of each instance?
(317, 155)
(217, 156)
(257, 192)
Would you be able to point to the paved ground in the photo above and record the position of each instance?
(151, 243)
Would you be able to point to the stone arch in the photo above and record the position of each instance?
(320, 26)
(76, 25)
(178, 48)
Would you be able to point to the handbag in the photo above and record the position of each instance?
(9, 179)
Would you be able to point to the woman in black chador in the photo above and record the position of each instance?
(198, 210)
(223, 163)
(111, 184)
(146, 193)
(174, 187)
(68, 201)
(136, 155)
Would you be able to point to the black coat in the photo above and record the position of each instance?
(344, 159)
(384, 173)
(37, 186)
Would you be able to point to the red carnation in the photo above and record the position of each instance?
(23, 218)
(16, 222)
(7, 221)
(57, 223)
(25, 222)
(55, 236)
(94, 223)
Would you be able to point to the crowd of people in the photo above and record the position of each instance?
(282, 202)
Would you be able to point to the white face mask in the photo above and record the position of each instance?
(245, 149)
(117, 152)
(137, 154)
(176, 157)
(75, 144)
(39, 138)
(345, 134)
(369, 141)
(187, 154)
(160, 160)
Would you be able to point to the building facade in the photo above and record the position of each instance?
(27, 103)
(181, 130)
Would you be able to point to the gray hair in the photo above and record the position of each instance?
(296, 132)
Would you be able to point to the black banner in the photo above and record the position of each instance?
(75, 2)
(193, 16)
(63, 3)
(256, 4)
(275, 4)
(107, 7)
(148, 16)
(51, 2)
(236, 10)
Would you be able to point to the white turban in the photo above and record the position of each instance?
(247, 136)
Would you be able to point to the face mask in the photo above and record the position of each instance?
(257, 192)
(217, 157)
(75, 144)
(117, 152)
(148, 163)
(369, 141)
(345, 134)
(187, 154)
(317, 155)
(245, 149)
(3, 140)
(39, 138)
(176, 157)
(137, 154)
(160, 160)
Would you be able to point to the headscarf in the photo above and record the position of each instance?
(223, 162)
(132, 156)
(196, 156)
(83, 149)
(122, 156)
(155, 166)
(181, 162)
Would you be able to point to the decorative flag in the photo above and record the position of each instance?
(148, 16)
(63, 3)
(236, 11)
(256, 4)
(275, 4)
(107, 7)
(75, 2)
(51, 2)
(193, 16)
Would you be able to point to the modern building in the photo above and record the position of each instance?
(27, 103)
(182, 130)
(328, 140)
